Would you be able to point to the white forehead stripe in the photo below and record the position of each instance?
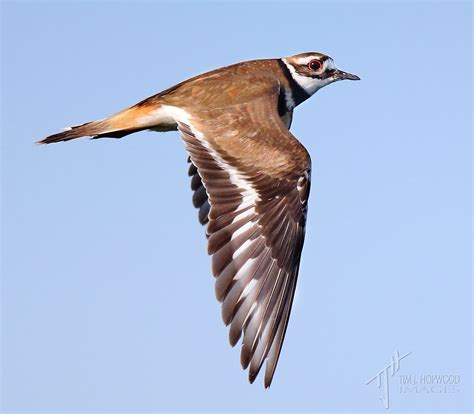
(304, 60)
(329, 64)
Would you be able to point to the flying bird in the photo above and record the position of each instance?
(251, 179)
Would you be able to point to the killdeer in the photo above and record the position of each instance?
(251, 181)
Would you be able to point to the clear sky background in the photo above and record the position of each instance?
(108, 301)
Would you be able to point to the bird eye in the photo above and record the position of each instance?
(315, 64)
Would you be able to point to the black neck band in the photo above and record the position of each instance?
(299, 94)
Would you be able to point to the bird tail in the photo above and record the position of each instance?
(128, 121)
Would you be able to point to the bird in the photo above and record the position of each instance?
(250, 179)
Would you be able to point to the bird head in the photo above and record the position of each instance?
(312, 71)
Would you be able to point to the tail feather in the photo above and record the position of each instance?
(87, 129)
(134, 119)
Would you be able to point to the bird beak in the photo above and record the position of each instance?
(341, 75)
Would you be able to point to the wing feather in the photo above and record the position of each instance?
(255, 214)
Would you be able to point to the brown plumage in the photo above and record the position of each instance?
(250, 179)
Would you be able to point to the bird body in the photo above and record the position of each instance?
(251, 180)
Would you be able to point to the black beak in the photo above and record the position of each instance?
(341, 75)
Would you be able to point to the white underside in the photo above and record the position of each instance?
(160, 117)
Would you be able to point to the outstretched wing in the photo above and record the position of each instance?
(251, 182)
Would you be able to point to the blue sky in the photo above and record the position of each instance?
(108, 302)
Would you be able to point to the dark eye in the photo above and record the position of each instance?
(315, 64)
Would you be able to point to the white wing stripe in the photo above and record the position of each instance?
(248, 192)
(242, 229)
(244, 246)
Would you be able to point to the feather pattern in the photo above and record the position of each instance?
(255, 220)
